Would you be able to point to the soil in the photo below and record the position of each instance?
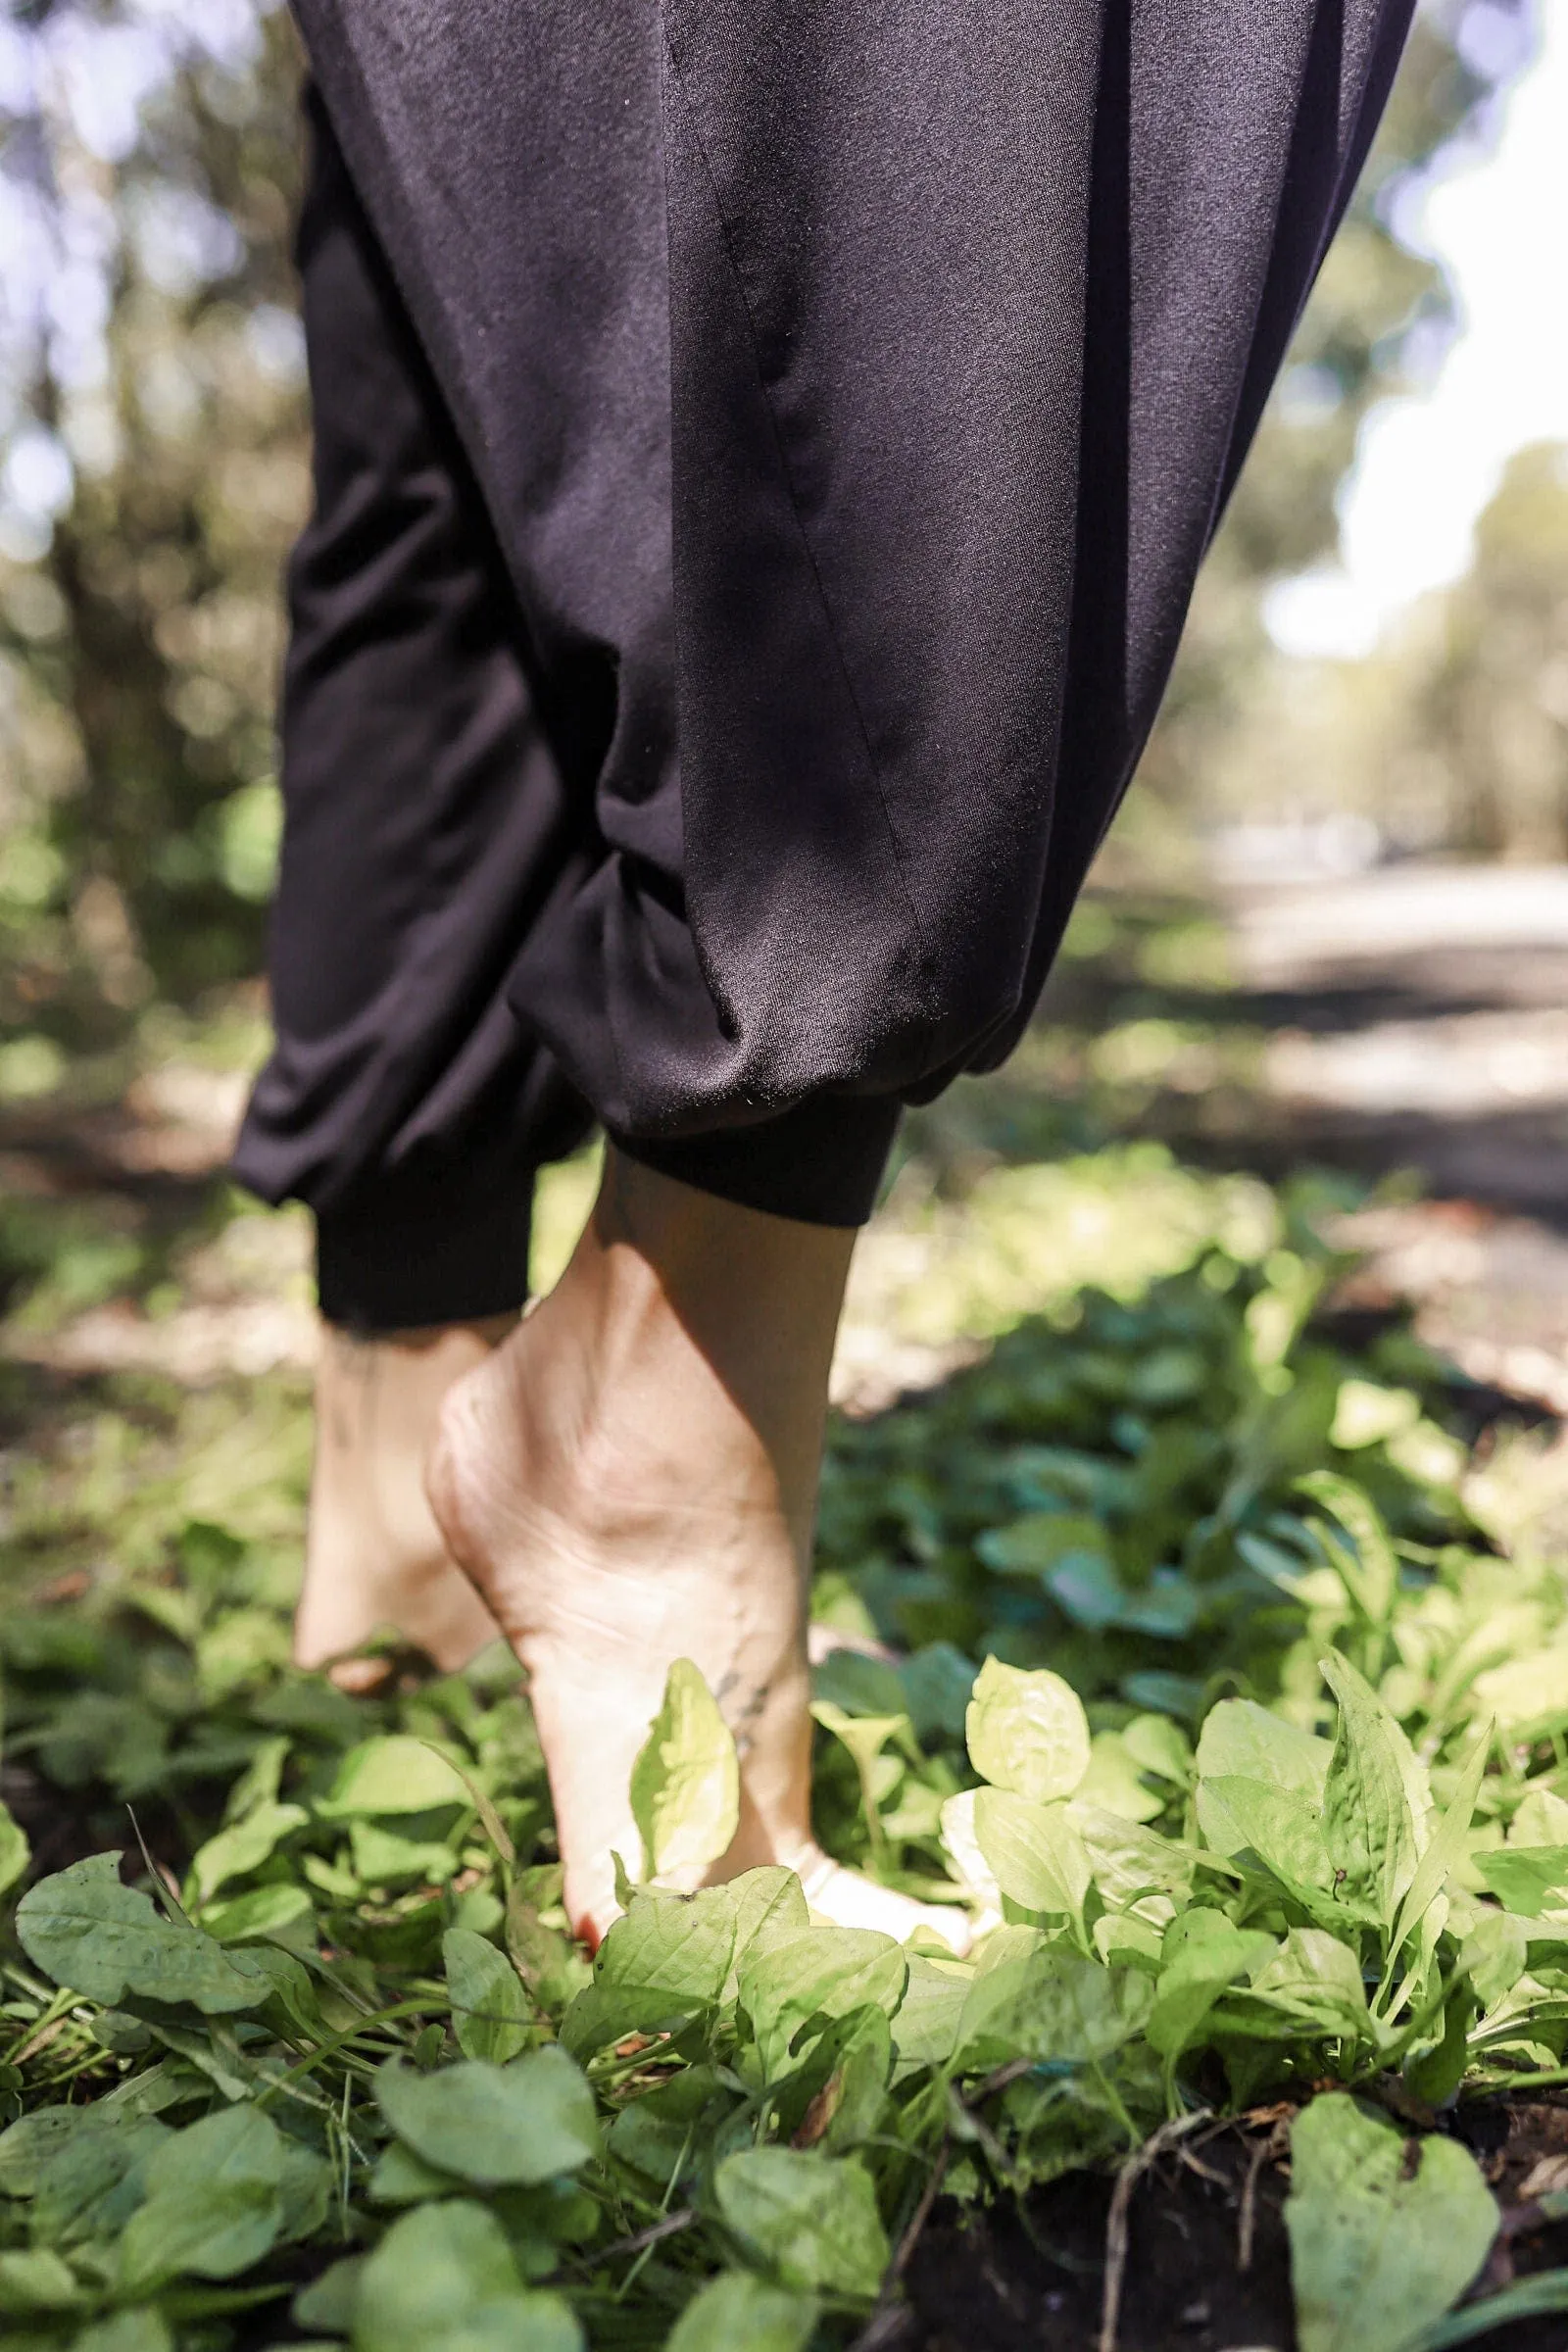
(1031, 2278)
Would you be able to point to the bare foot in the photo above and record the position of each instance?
(631, 1478)
(374, 1558)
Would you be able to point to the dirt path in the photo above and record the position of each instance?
(1419, 1018)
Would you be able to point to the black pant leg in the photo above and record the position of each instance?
(426, 820)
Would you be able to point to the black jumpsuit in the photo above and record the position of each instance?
(763, 449)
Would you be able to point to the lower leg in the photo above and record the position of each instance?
(374, 1558)
(630, 1477)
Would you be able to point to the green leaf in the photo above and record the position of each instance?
(685, 1785)
(1241, 1740)
(396, 1774)
(668, 1956)
(1379, 2249)
(86, 1931)
(1130, 1862)
(811, 2219)
(444, 2280)
(490, 2013)
(215, 2202)
(1529, 1878)
(36, 2284)
(1202, 1954)
(1446, 1849)
(1526, 2299)
(1370, 1572)
(819, 1972)
(737, 2313)
(93, 2183)
(1313, 1981)
(15, 1852)
(494, 2125)
(925, 2026)
(1367, 1826)
(1495, 1955)
(144, 2331)
(28, 2146)
(1028, 1731)
(1050, 2004)
(240, 1850)
(1033, 1851)
(1252, 1821)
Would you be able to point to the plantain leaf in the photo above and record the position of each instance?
(685, 1785)
(1380, 2247)
(88, 1931)
(1027, 1733)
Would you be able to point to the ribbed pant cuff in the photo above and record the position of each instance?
(821, 1162)
(403, 1255)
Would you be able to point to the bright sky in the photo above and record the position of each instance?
(1427, 465)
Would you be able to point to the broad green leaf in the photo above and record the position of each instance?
(401, 2177)
(1367, 1814)
(1312, 1980)
(36, 2284)
(679, 1946)
(144, 2331)
(925, 2026)
(494, 2125)
(811, 2219)
(86, 1931)
(1114, 1780)
(1529, 1880)
(215, 2202)
(1446, 1848)
(325, 2306)
(768, 1905)
(1031, 1546)
(242, 1847)
(444, 2280)
(1540, 1818)
(93, 2183)
(28, 2145)
(383, 1857)
(1379, 2250)
(1160, 1747)
(395, 1774)
(1202, 1954)
(685, 1785)
(490, 2013)
(1050, 2004)
(1528, 1694)
(282, 1914)
(1027, 1733)
(1242, 1741)
(1248, 1820)
(1033, 1851)
(822, 1972)
(736, 2311)
(1130, 1862)
(1495, 1955)
(15, 1852)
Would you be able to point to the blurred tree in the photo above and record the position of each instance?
(1479, 695)
(1377, 320)
(156, 474)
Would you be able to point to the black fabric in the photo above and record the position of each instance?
(862, 379)
(846, 391)
(438, 792)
